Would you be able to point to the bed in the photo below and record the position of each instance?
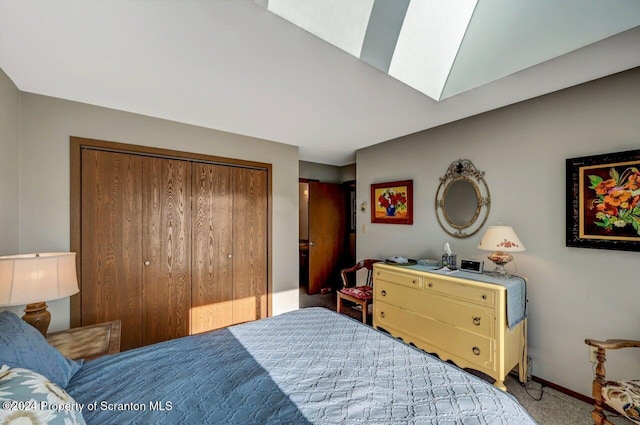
(310, 366)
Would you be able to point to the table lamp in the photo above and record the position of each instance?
(502, 240)
(33, 279)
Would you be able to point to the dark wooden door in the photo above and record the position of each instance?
(326, 233)
(111, 242)
(166, 278)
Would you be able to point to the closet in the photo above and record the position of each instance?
(169, 243)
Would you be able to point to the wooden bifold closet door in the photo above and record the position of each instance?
(229, 237)
(166, 249)
(136, 245)
(170, 246)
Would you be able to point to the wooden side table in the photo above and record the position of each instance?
(87, 342)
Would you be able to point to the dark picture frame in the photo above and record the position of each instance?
(603, 201)
(392, 202)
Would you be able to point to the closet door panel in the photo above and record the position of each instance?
(111, 242)
(212, 273)
(166, 283)
(249, 244)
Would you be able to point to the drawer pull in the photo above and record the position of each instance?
(384, 293)
(476, 351)
(484, 297)
(431, 285)
(414, 281)
(382, 314)
(476, 321)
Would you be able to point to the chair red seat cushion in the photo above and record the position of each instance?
(359, 292)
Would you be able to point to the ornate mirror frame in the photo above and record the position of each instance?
(463, 170)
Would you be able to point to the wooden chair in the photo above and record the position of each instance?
(359, 295)
(620, 396)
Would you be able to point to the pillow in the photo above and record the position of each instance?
(28, 397)
(23, 346)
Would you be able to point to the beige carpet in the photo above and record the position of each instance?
(545, 405)
(554, 408)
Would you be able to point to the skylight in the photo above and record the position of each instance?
(443, 48)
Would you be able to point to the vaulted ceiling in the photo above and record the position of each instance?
(443, 48)
(374, 70)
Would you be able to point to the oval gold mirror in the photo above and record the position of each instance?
(462, 200)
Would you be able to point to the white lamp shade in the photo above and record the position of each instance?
(32, 278)
(500, 238)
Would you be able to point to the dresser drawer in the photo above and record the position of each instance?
(456, 289)
(399, 278)
(398, 295)
(471, 317)
(474, 349)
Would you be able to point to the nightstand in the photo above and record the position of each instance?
(87, 342)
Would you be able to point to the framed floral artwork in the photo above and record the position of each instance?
(603, 201)
(392, 202)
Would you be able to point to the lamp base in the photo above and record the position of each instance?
(500, 258)
(38, 316)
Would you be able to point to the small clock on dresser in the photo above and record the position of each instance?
(472, 266)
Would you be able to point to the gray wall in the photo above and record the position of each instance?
(327, 173)
(9, 184)
(47, 124)
(321, 172)
(348, 172)
(574, 293)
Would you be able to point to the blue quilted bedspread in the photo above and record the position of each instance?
(307, 366)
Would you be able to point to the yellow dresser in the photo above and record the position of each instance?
(458, 319)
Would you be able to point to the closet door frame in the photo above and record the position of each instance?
(77, 144)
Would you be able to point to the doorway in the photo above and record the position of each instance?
(327, 239)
